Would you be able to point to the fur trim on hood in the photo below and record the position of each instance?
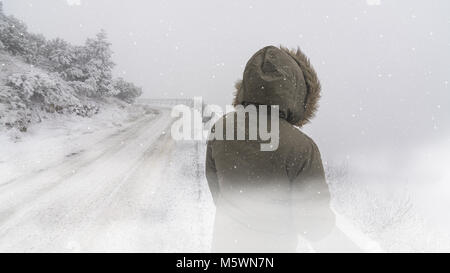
(313, 88)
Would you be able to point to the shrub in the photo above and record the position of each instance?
(127, 91)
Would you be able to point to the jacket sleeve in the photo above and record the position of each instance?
(211, 173)
(312, 215)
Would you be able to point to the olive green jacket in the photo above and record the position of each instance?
(278, 194)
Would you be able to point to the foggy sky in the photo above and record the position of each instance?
(385, 69)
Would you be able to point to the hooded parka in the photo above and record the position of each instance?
(265, 199)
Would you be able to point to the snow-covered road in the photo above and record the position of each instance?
(131, 188)
(120, 194)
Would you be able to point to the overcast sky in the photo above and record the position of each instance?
(384, 65)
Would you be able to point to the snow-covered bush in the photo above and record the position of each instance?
(84, 110)
(86, 88)
(14, 112)
(127, 91)
(30, 96)
(48, 90)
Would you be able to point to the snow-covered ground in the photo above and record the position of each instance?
(119, 182)
(104, 184)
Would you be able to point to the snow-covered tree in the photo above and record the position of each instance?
(14, 35)
(65, 76)
(35, 51)
(98, 64)
(60, 55)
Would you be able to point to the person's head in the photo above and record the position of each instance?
(278, 76)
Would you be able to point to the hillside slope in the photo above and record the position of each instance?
(40, 78)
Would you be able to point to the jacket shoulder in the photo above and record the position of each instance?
(295, 138)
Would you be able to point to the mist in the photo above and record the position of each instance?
(382, 126)
(383, 65)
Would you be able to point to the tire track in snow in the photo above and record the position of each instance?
(55, 195)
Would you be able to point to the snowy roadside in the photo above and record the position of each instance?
(62, 136)
(392, 209)
(137, 190)
(119, 182)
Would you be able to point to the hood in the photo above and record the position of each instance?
(279, 76)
